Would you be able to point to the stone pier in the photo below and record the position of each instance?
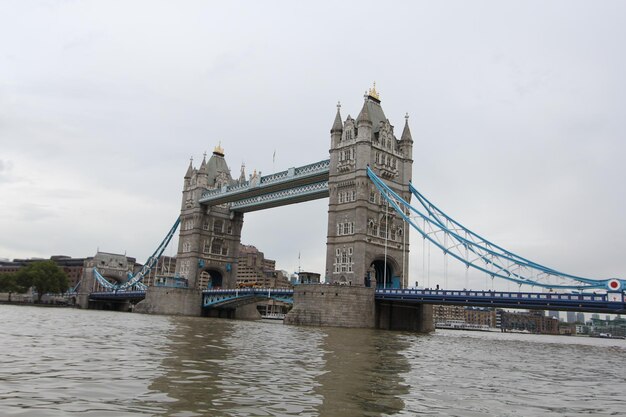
(174, 301)
(409, 316)
(332, 305)
(354, 306)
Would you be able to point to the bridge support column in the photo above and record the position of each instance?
(242, 312)
(173, 301)
(332, 305)
(410, 317)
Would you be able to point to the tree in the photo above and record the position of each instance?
(8, 283)
(45, 276)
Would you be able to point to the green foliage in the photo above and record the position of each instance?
(45, 276)
(8, 283)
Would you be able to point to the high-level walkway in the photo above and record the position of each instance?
(295, 185)
(614, 303)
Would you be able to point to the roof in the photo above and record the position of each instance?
(216, 166)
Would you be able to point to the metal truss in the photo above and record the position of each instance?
(289, 175)
(296, 194)
(478, 253)
(215, 298)
(134, 281)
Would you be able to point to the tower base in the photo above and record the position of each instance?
(172, 301)
(409, 317)
(333, 306)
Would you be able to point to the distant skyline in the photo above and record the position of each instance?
(516, 110)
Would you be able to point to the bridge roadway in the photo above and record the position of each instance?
(614, 303)
(295, 185)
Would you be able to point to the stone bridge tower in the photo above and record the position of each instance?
(209, 236)
(367, 242)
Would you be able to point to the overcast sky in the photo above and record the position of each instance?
(517, 110)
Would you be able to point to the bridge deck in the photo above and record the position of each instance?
(293, 185)
(600, 303)
(594, 303)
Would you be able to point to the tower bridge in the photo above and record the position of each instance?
(367, 181)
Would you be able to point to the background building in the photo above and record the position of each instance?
(571, 317)
(445, 313)
(555, 314)
(73, 267)
(165, 267)
(253, 270)
(531, 321)
(308, 278)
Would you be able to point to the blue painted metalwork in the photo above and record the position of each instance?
(174, 281)
(485, 256)
(308, 174)
(603, 303)
(589, 302)
(117, 295)
(103, 281)
(319, 189)
(215, 298)
(134, 280)
(152, 260)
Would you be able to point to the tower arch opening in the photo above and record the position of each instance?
(211, 278)
(387, 273)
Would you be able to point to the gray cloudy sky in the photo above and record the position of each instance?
(517, 112)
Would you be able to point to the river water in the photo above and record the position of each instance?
(57, 362)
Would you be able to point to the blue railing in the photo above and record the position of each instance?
(606, 302)
(214, 298)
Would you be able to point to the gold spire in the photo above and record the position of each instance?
(373, 93)
(218, 149)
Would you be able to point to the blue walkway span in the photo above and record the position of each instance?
(221, 298)
(594, 303)
(120, 295)
(614, 303)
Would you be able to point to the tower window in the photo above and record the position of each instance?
(343, 260)
(216, 247)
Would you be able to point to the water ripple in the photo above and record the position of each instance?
(95, 363)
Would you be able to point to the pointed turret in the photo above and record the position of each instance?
(406, 140)
(190, 169)
(406, 133)
(337, 130)
(364, 122)
(364, 115)
(203, 164)
(242, 176)
(337, 125)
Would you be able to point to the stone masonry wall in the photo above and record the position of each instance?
(332, 305)
(173, 301)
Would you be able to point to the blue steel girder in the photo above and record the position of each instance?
(235, 297)
(117, 295)
(478, 253)
(594, 303)
(292, 178)
(282, 198)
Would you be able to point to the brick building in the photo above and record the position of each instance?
(254, 270)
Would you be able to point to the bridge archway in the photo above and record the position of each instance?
(211, 278)
(389, 278)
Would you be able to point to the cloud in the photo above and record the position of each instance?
(518, 130)
(5, 171)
